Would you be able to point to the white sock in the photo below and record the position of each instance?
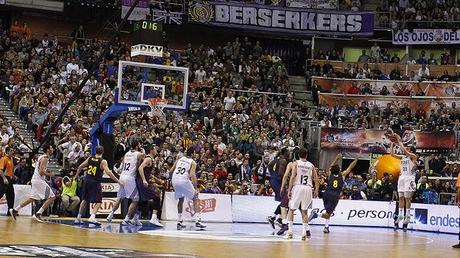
(291, 224)
(306, 227)
(285, 221)
(40, 211)
(110, 215)
(127, 217)
(93, 216)
(136, 216)
(17, 208)
(154, 216)
(401, 212)
(327, 223)
(179, 217)
(79, 216)
(198, 217)
(277, 216)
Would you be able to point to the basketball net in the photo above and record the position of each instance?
(157, 105)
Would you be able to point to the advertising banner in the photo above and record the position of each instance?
(107, 206)
(426, 37)
(21, 192)
(214, 208)
(140, 12)
(414, 103)
(146, 50)
(281, 19)
(313, 4)
(436, 218)
(375, 141)
(437, 89)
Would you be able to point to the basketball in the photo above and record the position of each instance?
(387, 164)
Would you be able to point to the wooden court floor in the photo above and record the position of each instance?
(341, 242)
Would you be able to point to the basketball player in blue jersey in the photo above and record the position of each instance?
(406, 181)
(145, 186)
(331, 197)
(95, 167)
(277, 168)
(184, 182)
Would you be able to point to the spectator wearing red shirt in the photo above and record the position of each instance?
(219, 173)
(354, 89)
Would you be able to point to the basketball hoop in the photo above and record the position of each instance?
(157, 105)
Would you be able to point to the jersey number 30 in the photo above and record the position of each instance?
(180, 171)
(304, 180)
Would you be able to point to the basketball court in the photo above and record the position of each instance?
(60, 236)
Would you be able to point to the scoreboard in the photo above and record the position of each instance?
(147, 32)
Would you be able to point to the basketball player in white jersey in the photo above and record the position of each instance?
(185, 186)
(40, 188)
(406, 181)
(128, 189)
(300, 191)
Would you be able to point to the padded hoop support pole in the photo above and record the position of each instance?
(106, 122)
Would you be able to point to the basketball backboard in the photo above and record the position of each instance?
(139, 81)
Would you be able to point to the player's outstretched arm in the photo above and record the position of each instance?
(105, 168)
(336, 160)
(412, 156)
(349, 168)
(392, 152)
(316, 180)
(146, 162)
(82, 166)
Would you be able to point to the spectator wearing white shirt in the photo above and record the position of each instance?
(65, 125)
(229, 101)
(75, 154)
(200, 75)
(4, 136)
(66, 148)
(424, 72)
(73, 66)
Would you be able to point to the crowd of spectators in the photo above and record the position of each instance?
(404, 14)
(235, 133)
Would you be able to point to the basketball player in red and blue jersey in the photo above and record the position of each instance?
(95, 167)
(145, 187)
(277, 168)
(331, 197)
(406, 181)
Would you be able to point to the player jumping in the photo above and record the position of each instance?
(406, 181)
(331, 196)
(300, 191)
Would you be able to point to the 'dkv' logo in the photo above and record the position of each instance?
(206, 205)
